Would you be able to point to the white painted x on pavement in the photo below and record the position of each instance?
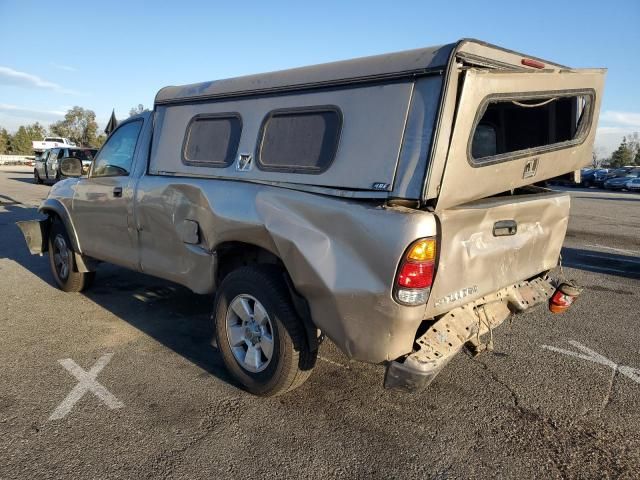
(87, 382)
(593, 356)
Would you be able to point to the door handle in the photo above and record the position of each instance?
(504, 228)
(117, 192)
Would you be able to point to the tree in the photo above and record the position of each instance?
(100, 139)
(20, 142)
(36, 131)
(622, 156)
(5, 139)
(136, 110)
(79, 125)
(633, 142)
(636, 160)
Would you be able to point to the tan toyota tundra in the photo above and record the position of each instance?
(389, 203)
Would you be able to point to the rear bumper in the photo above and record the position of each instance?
(463, 325)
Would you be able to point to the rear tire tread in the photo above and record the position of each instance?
(299, 365)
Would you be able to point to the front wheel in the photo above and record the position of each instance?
(62, 261)
(260, 336)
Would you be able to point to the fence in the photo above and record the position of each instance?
(16, 159)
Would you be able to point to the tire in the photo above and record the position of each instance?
(36, 177)
(270, 314)
(62, 261)
(58, 176)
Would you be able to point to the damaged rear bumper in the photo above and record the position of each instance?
(446, 337)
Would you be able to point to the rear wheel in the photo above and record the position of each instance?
(63, 263)
(260, 337)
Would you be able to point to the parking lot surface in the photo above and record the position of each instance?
(122, 381)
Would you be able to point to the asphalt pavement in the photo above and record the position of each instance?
(122, 381)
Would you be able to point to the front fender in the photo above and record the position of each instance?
(52, 205)
(35, 233)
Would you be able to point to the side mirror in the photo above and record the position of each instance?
(71, 167)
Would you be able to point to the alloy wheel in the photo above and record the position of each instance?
(250, 333)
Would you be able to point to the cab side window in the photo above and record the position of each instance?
(116, 156)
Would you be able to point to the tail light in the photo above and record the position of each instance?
(415, 273)
(563, 297)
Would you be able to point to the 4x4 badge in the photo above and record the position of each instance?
(244, 162)
(530, 168)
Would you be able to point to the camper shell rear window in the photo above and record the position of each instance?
(515, 126)
(299, 140)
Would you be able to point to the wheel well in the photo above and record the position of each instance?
(233, 255)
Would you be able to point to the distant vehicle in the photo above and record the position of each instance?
(620, 183)
(47, 165)
(588, 176)
(633, 185)
(40, 146)
(600, 178)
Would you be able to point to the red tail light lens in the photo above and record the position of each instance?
(415, 274)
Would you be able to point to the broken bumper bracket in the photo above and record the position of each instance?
(446, 337)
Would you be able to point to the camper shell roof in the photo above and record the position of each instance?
(377, 67)
(420, 61)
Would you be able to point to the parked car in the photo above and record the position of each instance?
(47, 165)
(620, 183)
(387, 203)
(46, 143)
(633, 185)
(588, 176)
(600, 179)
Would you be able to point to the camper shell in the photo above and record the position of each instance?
(392, 198)
(398, 119)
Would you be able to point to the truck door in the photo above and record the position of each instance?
(102, 209)
(40, 164)
(50, 163)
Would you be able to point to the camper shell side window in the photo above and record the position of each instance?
(510, 126)
(211, 140)
(299, 140)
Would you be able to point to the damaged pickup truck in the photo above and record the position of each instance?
(388, 203)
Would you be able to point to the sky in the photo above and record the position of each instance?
(117, 54)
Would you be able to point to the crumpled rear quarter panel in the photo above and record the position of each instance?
(341, 254)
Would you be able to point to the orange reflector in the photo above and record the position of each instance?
(422, 251)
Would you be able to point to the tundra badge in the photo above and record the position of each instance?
(530, 168)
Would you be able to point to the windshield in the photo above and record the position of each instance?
(84, 154)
